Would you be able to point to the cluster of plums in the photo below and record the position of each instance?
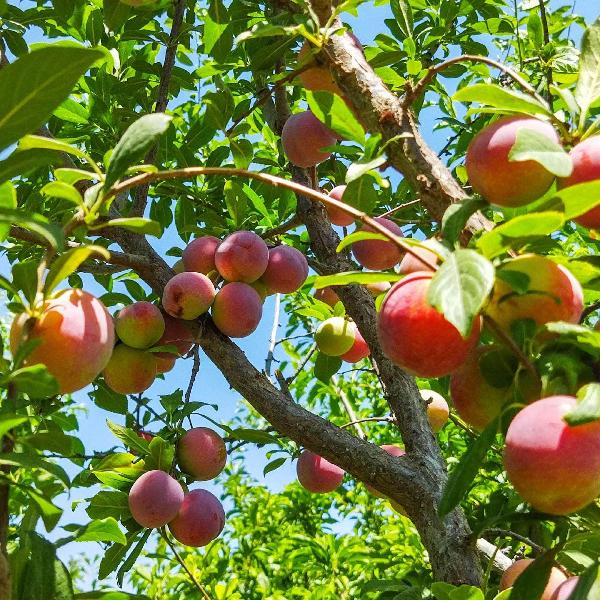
(157, 499)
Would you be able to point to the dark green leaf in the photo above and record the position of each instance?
(133, 556)
(33, 461)
(109, 503)
(273, 465)
(35, 381)
(326, 367)
(457, 215)
(256, 436)
(22, 163)
(462, 476)
(25, 278)
(36, 223)
(403, 14)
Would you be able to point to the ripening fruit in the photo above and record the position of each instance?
(565, 589)
(178, 266)
(242, 256)
(164, 362)
(378, 255)
(336, 215)
(316, 474)
(553, 294)
(76, 335)
(199, 254)
(586, 167)
(359, 349)
(200, 519)
(304, 137)
(327, 295)
(378, 287)
(437, 409)
(201, 453)
(286, 271)
(262, 290)
(415, 336)
(155, 499)
(554, 466)
(317, 78)
(410, 264)
(129, 370)
(335, 336)
(140, 325)
(393, 451)
(188, 295)
(177, 333)
(557, 577)
(237, 309)
(499, 180)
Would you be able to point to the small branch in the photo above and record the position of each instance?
(141, 198)
(517, 536)
(307, 192)
(349, 409)
(180, 560)
(387, 419)
(500, 561)
(193, 375)
(501, 335)
(273, 337)
(421, 85)
(302, 364)
(290, 224)
(588, 310)
(401, 207)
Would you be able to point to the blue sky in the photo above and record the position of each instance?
(210, 384)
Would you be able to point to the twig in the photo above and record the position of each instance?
(291, 223)
(314, 195)
(517, 536)
(500, 561)
(273, 337)
(180, 560)
(193, 375)
(302, 364)
(386, 419)
(401, 207)
(500, 334)
(348, 408)
(294, 337)
(162, 99)
(588, 310)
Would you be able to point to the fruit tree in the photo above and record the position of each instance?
(300, 299)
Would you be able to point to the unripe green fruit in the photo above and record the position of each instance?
(140, 325)
(129, 370)
(335, 336)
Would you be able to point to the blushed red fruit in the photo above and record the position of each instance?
(316, 474)
(199, 254)
(140, 325)
(145, 435)
(164, 363)
(586, 167)
(335, 336)
(129, 370)
(188, 295)
(237, 309)
(554, 466)
(411, 264)
(155, 499)
(476, 401)
(201, 453)
(415, 336)
(76, 335)
(378, 255)
(565, 589)
(557, 577)
(336, 215)
(394, 451)
(359, 349)
(437, 409)
(327, 295)
(304, 137)
(286, 271)
(316, 77)
(177, 333)
(200, 519)
(242, 256)
(499, 180)
(553, 294)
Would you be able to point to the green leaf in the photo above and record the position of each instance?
(33, 461)
(242, 151)
(326, 367)
(8, 199)
(130, 438)
(532, 145)
(588, 407)
(516, 232)
(588, 339)
(361, 193)
(446, 591)
(215, 23)
(358, 168)
(588, 582)
(139, 137)
(161, 454)
(588, 84)
(574, 200)
(36, 84)
(137, 224)
(109, 503)
(273, 465)
(23, 162)
(30, 142)
(354, 277)
(133, 555)
(34, 222)
(8, 422)
(102, 530)
(69, 262)
(25, 278)
(72, 112)
(109, 595)
(65, 191)
(72, 176)
(334, 112)
(114, 555)
(462, 476)
(402, 12)
(35, 381)
(50, 513)
(530, 584)
(256, 436)
(236, 201)
(456, 216)
(359, 236)
(460, 287)
(489, 94)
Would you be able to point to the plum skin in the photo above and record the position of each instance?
(201, 453)
(317, 474)
(155, 499)
(140, 325)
